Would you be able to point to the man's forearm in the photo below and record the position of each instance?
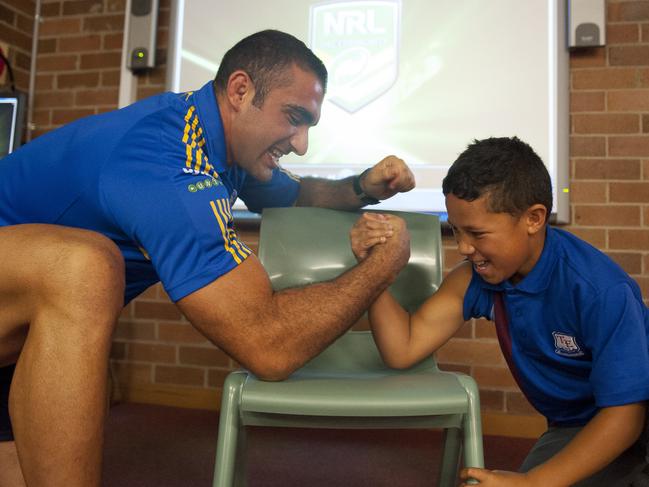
(326, 193)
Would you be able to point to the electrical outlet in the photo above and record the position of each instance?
(4, 47)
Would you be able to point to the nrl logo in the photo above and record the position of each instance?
(359, 43)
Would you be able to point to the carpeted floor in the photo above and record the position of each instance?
(168, 447)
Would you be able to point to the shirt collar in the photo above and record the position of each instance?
(538, 279)
(210, 118)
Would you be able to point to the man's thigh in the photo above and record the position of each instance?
(38, 266)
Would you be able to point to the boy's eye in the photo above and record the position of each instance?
(293, 119)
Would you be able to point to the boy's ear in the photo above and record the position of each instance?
(536, 218)
(239, 87)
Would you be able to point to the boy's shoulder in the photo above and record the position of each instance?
(579, 261)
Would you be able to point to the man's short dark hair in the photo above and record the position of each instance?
(266, 56)
(507, 169)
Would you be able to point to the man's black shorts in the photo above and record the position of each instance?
(6, 374)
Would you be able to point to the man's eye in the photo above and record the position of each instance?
(478, 234)
(293, 120)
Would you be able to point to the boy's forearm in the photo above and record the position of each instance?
(390, 325)
(602, 440)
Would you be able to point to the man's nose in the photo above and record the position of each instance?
(300, 141)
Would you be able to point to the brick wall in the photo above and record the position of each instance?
(157, 355)
(16, 25)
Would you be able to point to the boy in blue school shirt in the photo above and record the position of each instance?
(571, 323)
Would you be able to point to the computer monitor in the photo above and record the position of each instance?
(12, 109)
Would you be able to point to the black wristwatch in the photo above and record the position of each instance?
(365, 198)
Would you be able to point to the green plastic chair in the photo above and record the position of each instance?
(348, 385)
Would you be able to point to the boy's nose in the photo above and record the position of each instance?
(464, 247)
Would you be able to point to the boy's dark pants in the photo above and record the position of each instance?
(620, 473)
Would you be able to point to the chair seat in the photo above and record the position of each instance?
(388, 393)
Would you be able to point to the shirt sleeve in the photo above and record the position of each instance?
(616, 333)
(181, 220)
(281, 191)
(478, 302)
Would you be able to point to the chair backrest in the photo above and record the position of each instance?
(299, 246)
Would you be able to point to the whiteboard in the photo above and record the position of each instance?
(416, 78)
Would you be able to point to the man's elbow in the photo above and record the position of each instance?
(270, 367)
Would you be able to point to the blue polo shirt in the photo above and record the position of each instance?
(574, 330)
(152, 177)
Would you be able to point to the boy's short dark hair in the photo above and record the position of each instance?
(507, 169)
(266, 57)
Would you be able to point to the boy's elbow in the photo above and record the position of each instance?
(398, 362)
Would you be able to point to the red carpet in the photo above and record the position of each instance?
(168, 447)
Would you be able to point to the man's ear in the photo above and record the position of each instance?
(535, 217)
(239, 87)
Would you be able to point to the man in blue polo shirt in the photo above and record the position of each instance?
(94, 213)
(571, 324)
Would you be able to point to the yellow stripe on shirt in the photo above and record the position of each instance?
(224, 232)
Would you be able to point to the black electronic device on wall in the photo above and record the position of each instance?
(142, 22)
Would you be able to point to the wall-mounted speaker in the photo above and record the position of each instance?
(586, 23)
(143, 19)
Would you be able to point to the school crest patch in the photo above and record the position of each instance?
(566, 345)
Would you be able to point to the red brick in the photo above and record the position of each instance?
(24, 6)
(644, 77)
(110, 78)
(156, 310)
(628, 100)
(645, 266)
(607, 215)
(484, 329)
(132, 374)
(645, 216)
(629, 239)
(143, 93)
(594, 236)
(517, 403)
(645, 124)
(622, 33)
(59, 26)
(107, 97)
(628, 11)
(113, 41)
(494, 378)
(631, 262)
(118, 5)
(25, 23)
(118, 351)
(588, 58)
(179, 333)
(190, 376)
(492, 400)
(135, 330)
(206, 356)
(80, 43)
(47, 46)
(42, 117)
(604, 78)
(78, 7)
(629, 56)
(643, 282)
(465, 331)
(645, 32)
(56, 99)
(104, 23)
(61, 117)
(7, 16)
(607, 169)
(473, 352)
(581, 146)
(581, 192)
(216, 377)
(52, 9)
(57, 63)
(77, 80)
(15, 38)
(104, 60)
(606, 123)
(645, 170)
(629, 192)
(629, 146)
(147, 352)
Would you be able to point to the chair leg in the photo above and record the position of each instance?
(450, 458)
(229, 430)
(472, 427)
